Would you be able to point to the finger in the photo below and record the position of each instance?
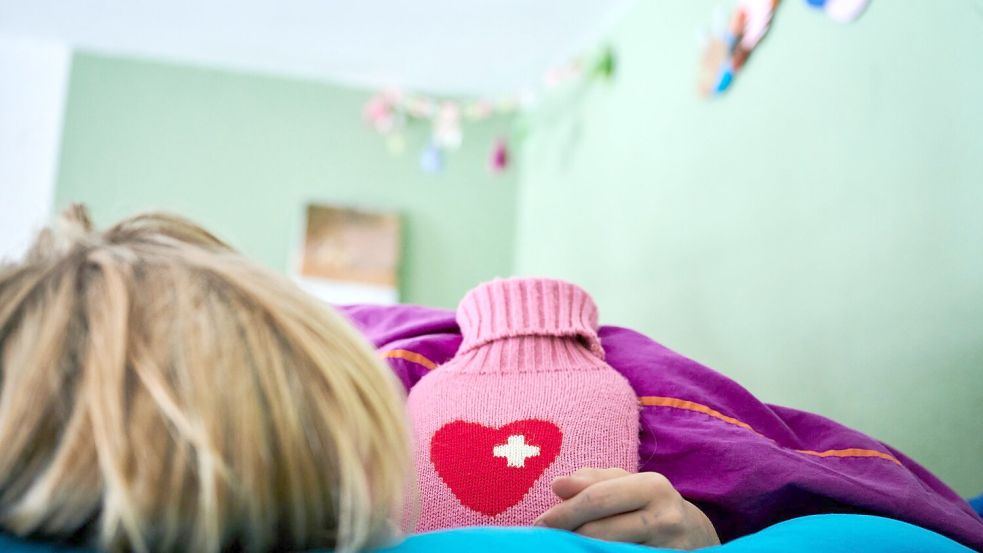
(601, 474)
(570, 485)
(634, 527)
(599, 500)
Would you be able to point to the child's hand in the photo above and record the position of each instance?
(612, 504)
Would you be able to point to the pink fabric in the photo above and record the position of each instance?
(527, 398)
(527, 307)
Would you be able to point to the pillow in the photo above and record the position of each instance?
(816, 533)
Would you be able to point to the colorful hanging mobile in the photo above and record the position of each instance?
(841, 11)
(499, 160)
(432, 158)
(729, 45)
(392, 112)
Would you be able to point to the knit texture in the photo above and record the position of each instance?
(527, 398)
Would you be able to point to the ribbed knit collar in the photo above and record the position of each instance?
(528, 307)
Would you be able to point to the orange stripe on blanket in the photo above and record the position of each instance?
(676, 403)
(410, 356)
(658, 401)
(852, 452)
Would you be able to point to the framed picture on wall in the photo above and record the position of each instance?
(350, 255)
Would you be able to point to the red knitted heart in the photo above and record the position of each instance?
(492, 469)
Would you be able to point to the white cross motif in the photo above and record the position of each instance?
(516, 451)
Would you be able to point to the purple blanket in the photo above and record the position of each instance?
(747, 464)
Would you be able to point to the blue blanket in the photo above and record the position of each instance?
(818, 533)
(977, 504)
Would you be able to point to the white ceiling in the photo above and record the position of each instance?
(459, 47)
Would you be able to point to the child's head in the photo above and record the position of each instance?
(160, 392)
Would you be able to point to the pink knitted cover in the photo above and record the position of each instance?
(527, 398)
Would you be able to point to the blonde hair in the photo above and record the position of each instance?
(159, 392)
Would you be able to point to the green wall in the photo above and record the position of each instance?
(242, 154)
(816, 233)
